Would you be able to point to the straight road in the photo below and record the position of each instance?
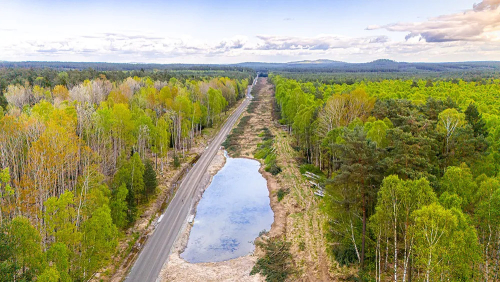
(157, 248)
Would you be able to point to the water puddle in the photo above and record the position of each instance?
(234, 209)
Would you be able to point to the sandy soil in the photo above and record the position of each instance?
(177, 269)
(303, 222)
(297, 217)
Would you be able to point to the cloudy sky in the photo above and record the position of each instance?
(216, 31)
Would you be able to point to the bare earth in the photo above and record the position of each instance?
(177, 269)
(297, 218)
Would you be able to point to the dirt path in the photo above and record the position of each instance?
(177, 269)
(304, 221)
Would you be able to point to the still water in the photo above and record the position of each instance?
(231, 213)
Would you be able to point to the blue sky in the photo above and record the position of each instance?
(193, 31)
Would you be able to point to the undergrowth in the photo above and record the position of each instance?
(276, 265)
(231, 143)
(266, 152)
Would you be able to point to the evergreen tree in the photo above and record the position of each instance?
(475, 119)
(150, 181)
(359, 176)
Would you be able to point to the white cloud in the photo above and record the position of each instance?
(321, 42)
(481, 23)
(137, 47)
(471, 35)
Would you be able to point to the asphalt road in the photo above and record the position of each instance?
(157, 248)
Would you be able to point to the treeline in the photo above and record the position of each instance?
(412, 188)
(50, 74)
(349, 78)
(382, 66)
(77, 163)
(102, 66)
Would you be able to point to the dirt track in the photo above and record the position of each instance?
(296, 217)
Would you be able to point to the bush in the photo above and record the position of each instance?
(276, 265)
(282, 193)
(311, 168)
(273, 168)
(177, 162)
(271, 165)
(345, 253)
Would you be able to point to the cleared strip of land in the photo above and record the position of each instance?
(158, 247)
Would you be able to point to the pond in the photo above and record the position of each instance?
(234, 209)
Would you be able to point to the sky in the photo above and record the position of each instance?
(216, 31)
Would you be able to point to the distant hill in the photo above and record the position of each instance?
(316, 62)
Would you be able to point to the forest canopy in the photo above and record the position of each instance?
(412, 188)
(79, 153)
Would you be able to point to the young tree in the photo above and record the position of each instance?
(60, 217)
(131, 173)
(26, 246)
(434, 227)
(459, 180)
(150, 181)
(6, 193)
(99, 241)
(50, 274)
(487, 219)
(397, 200)
(8, 266)
(378, 133)
(58, 256)
(449, 121)
(119, 206)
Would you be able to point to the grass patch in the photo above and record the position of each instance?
(282, 193)
(302, 246)
(311, 168)
(265, 151)
(231, 143)
(253, 105)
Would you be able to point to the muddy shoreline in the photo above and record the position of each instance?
(238, 269)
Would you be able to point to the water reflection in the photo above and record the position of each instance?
(230, 215)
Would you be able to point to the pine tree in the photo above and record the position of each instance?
(359, 175)
(474, 118)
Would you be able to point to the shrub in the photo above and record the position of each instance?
(276, 265)
(177, 162)
(282, 193)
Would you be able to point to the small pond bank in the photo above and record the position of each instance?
(234, 209)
